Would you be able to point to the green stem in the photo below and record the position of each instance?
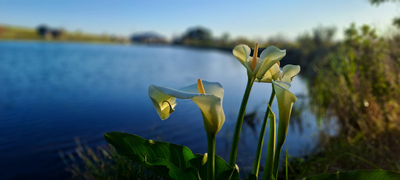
(276, 160)
(287, 173)
(256, 164)
(211, 138)
(239, 122)
(269, 163)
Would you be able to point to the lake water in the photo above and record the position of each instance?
(51, 93)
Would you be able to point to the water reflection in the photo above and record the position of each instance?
(54, 92)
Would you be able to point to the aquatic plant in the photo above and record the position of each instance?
(262, 68)
(172, 161)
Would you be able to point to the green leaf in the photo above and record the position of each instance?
(222, 169)
(168, 160)
(359, 175)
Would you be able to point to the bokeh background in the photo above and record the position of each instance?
(71, 71)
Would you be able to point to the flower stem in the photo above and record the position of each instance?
(276, 160)
(239, 122)
(211, 139)
(269, 163)
(256, 164)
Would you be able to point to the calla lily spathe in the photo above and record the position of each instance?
(287, 74)
(268, 58)
(286, 99)
(209, 102)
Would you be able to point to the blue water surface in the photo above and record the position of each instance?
(52, 93)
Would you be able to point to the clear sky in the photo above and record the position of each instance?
(251, 19)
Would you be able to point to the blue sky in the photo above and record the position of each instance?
(251, 19)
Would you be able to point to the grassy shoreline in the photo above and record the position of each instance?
(17, 33)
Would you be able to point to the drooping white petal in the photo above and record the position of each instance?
(210, 103)
(270, 56)
(242, 53)
(163, 103)
(289, 71)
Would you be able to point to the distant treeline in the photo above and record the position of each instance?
(46, 33)
(306, 48)
(355, 79)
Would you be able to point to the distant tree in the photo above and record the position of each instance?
(196, 36)
(356, 37)
(198, 33)
(42, 30)
(149, 38)
(377, 2)
(396, 20)
(323, 35)
(56, 33)
(243, 40)
(277, 39)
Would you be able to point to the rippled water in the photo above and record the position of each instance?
(51, 93)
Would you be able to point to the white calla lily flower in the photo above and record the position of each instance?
(256, 67)
(287, 74)
(286, 99)
(207, 95)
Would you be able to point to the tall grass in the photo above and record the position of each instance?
(359, 83)
(102, 163)
(346, 154)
